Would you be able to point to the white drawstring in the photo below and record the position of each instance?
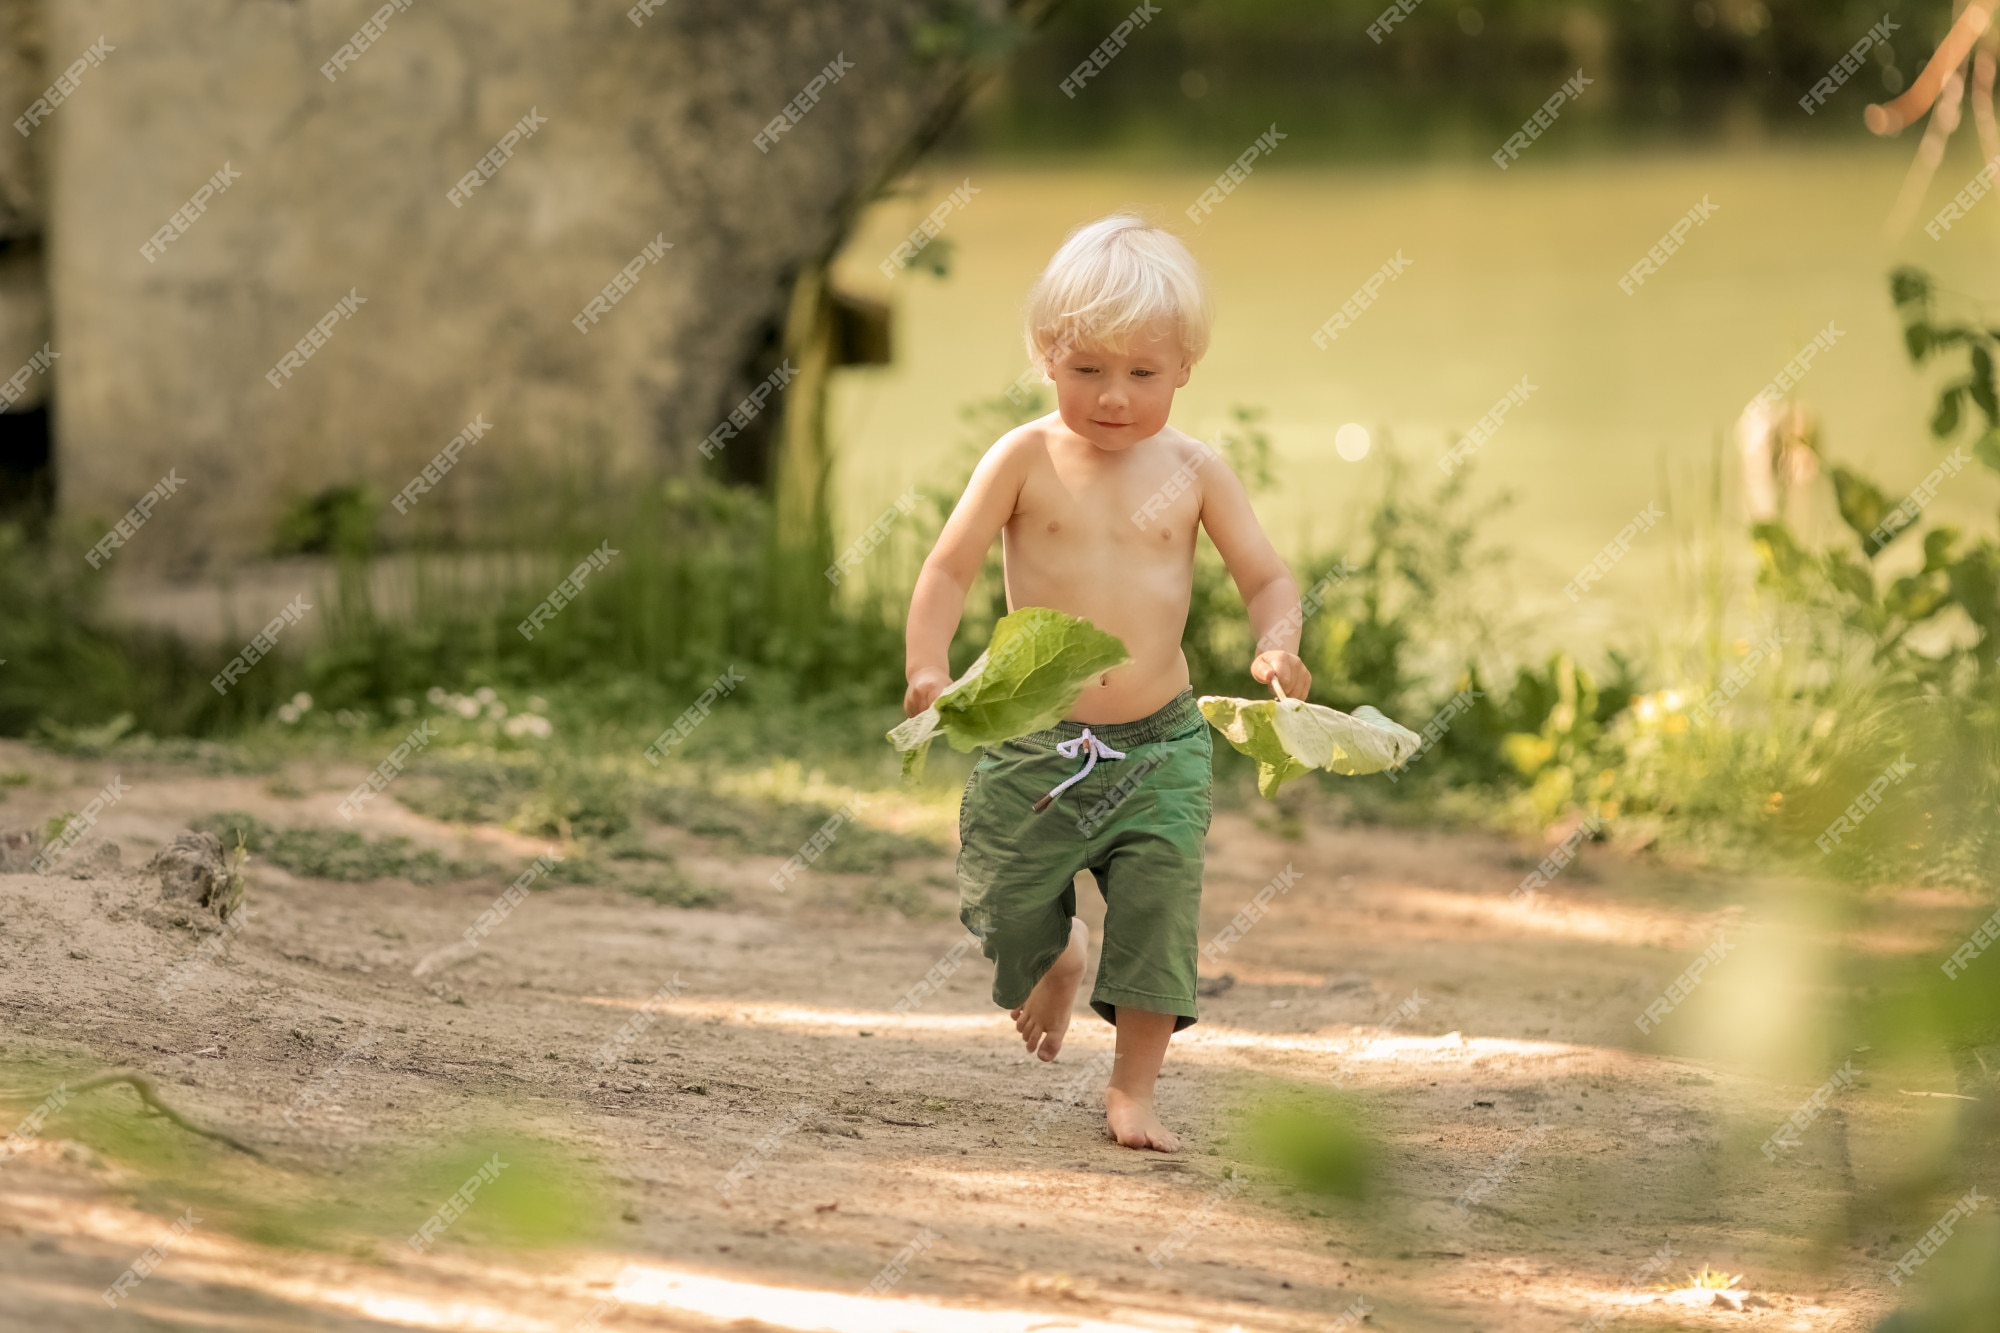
(1088, 745)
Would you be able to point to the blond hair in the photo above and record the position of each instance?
(1111, 280)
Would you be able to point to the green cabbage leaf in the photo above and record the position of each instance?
(1029, 676)
(1288, 738)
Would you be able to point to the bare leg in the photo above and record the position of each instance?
(1044, 1018)
(1128, 1101)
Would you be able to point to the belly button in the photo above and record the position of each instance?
(1053, 525)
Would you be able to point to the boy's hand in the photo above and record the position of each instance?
(925, 687)
(1290, 672)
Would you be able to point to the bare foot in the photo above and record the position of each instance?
(1044, 1019)
(1134, 1125)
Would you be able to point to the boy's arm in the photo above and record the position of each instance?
(1270, 595)
(938, 601)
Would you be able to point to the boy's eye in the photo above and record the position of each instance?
(1142, 373)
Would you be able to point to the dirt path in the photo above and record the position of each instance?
(858, 1133)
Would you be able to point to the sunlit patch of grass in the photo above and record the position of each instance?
(541, 1194)
(1708, 1279)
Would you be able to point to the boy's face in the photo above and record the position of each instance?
(1117, 397)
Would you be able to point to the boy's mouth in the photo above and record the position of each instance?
(1111, 425)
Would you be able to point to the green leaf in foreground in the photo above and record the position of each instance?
(1035, 667)
(1288, 738)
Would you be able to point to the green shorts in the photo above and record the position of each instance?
(1137, 824)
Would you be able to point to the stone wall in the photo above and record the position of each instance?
(338, 189)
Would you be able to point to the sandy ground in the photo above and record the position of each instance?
(926, 1133)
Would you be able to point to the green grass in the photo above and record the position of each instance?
(317, 852)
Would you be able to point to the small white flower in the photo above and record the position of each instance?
(287, 714)
(528, 724)
(485, 694)
(302, 701)
(464, 707)
(436, 695)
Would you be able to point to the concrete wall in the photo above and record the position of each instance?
(468, 310)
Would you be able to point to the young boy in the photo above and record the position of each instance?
(1097, 505)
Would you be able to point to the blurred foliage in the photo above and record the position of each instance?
(1450, 77)
(1313, 1140)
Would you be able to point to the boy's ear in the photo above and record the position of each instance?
(1181, 378)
